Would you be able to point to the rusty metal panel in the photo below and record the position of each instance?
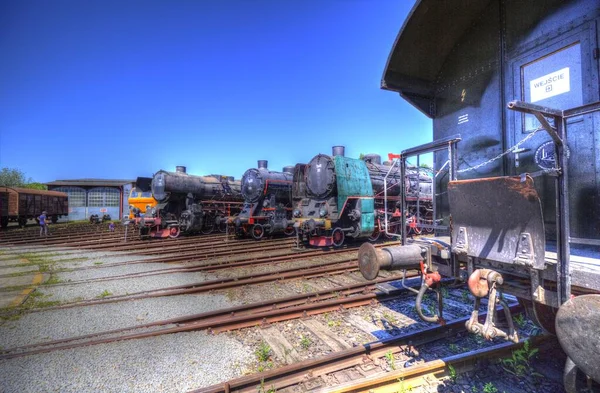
(498, 219)
(3, 204)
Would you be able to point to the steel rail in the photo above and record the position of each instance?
(416, 375)
(237, 317)
(346, 265)
(295, 373)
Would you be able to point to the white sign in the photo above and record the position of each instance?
(550, 85)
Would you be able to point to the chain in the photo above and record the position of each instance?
(510, 150)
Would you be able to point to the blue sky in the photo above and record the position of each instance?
(120, 89)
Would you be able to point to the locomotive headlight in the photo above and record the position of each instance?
(323, 212)
(130, 207)
(148, 207)
(297, 213)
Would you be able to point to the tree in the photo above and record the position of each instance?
(11, 177)
(36, 186)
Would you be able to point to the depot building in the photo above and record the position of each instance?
(94, 196)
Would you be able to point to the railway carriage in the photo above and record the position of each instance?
(512, 88)
(22, 204)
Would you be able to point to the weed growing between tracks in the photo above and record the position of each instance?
(36, 299)
(519, 363)
(305, 342)
(104, 294)
(263, 355)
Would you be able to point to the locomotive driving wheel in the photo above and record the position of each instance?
(337, 237)
(208, 225)
(376, 234)
(174, 232)
(222, 224)
(289, 231)
(258, 231)
(429, 221)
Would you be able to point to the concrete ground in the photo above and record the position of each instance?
(28, 278)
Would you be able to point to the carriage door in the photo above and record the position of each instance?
(561, 73)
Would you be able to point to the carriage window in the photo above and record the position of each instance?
(553, 81)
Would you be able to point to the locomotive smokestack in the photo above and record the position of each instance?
(263, 164)
(372, 158)
(180, 169)
(338, 151)
(288, 169)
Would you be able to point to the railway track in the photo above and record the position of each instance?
(344, 297)
(272, 314)
(303, 376)
(322, 270)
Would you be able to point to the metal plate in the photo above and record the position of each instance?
(495, 212)
(577, 324)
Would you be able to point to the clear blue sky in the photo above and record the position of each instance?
(120, 89)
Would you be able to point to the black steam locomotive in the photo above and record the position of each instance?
(189, 204)
(335, 196)
(518, 205)
(267, 203)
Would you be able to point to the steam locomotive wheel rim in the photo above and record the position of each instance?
(258, 231)
(337, 237)
(208, 227)
(429, 221)
(289, 231)
(375, 235)
(174, 232)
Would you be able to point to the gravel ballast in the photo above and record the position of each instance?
(170, 363)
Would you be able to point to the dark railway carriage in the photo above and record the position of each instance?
(22, 204)
(267, 203)
(512, 88)
(189, 204)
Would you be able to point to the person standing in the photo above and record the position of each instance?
(43, 223)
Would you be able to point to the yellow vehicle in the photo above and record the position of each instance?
(140, 198)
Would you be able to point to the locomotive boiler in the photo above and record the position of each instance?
(189, 204)
(337, 197)
(512, 88)
(267, 206)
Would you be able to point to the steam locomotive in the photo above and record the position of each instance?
(267, 203)
(518, 209)
(189, 204)
(335, 196)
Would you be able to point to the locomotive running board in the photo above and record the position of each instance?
(498, 219)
